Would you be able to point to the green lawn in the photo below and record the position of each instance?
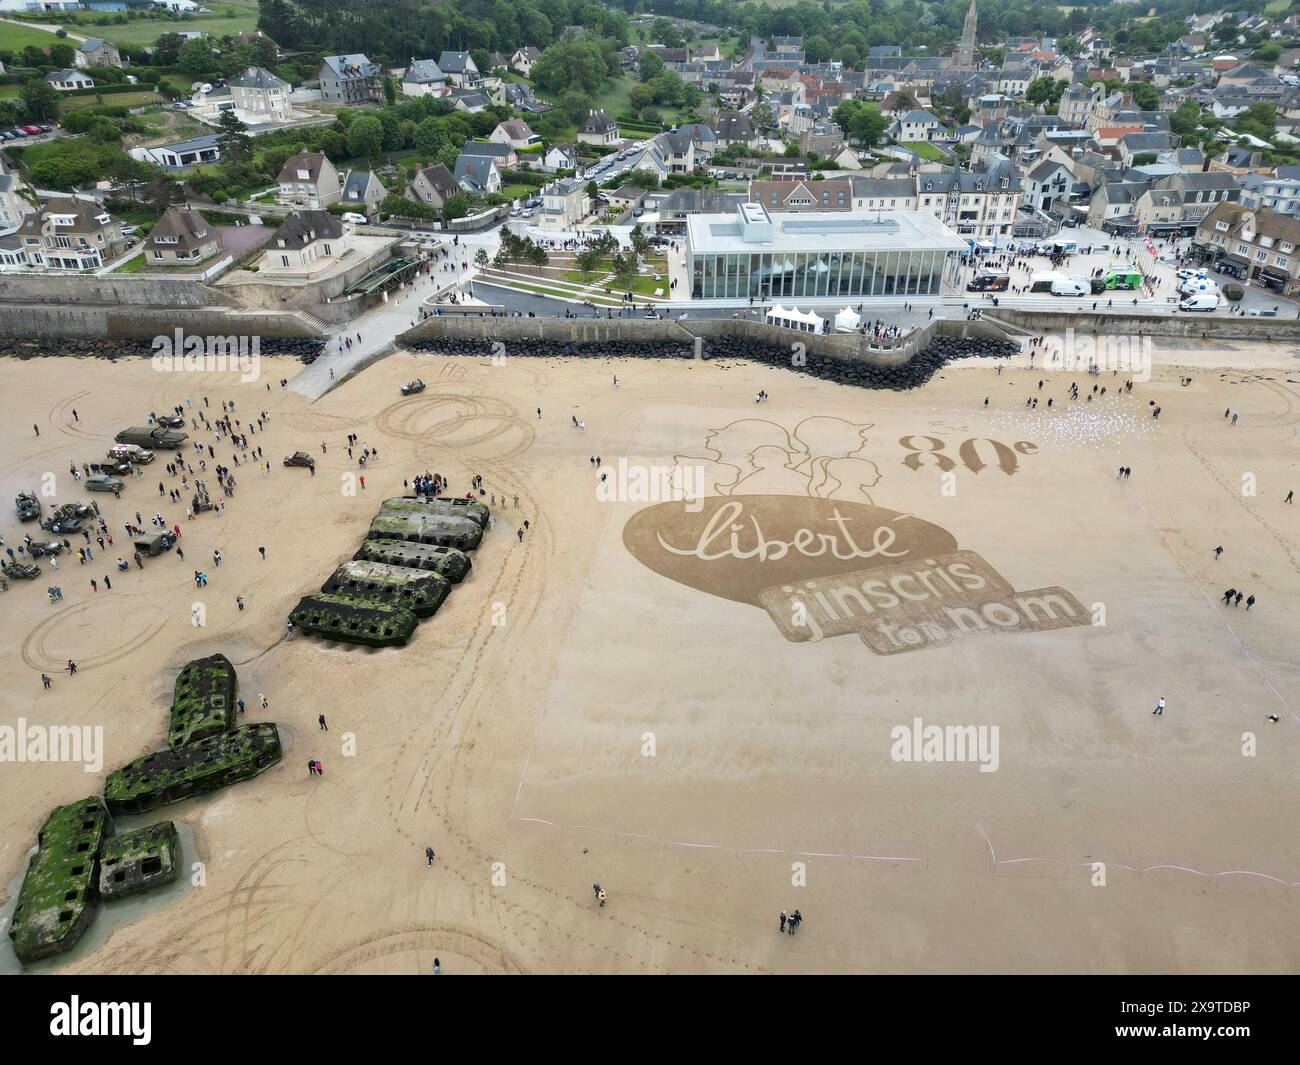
(121, 99)
(16, 38)
(513, 192)
(925, 150)
(147, 31)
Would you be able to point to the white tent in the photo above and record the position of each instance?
(847, 321)
(778, 311)
(809, 321)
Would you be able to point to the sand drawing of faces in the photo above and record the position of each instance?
(822, 458)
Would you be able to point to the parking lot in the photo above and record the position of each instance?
(1158, 262)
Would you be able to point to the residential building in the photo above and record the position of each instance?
(916, 125)
(181, 155)
(684, 203)
(678, 151)
(362, 191)
(260, 97)
(752, 253)
(560, 157)
(424, 78)
(599, 129)
(502, 154)
(1254, 244)
(883, 193)
(70, 233)
(524, 58)
(477, 174)
(181, 236)
(1278, 192)
(822, 196)
(67, 80)
(433, 185)
(308, 179)
(1046, 182)
(731, 127)
(350, 79)
(977, 203)
(304, 240)
(564, 204)
(97, 52)
(514, 132)
(14, 206)
(460, 69)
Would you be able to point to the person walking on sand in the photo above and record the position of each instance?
(45, 680)
(1289, 496)
(1227, 596)
(1217, 552)
(1250, 602)
(1160, 706)
(321, 721)
(429, 856)
(437, 967)
(1236, 599)
(72, 667)
(783, 920)
(311, 767)
(262, 700)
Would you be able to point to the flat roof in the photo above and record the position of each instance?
(818, 231)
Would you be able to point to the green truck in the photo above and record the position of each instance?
(1123, 279)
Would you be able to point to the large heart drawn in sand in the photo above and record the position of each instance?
(735, 546)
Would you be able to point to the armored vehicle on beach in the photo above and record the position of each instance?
(300, 458)
(42, 548)
(69, 518)
(60, 896)
(412, 387)
(419, 591)
(170, 775)
(427, 528)
(152, 437)
(20, 571)
(155, 543)
(353, 620)
(29, 507)
(465, 508)
(169, 421)
(445, 561)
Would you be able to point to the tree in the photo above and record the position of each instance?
(640, 96)
(1186, 119)
(40, 99)
(481, 258)
(365, 137)
(593, 190)
(197, 60)
(587, 260)
(1144, 158)
(456, 207)
(397, 205)
(233, 139)
(761, 116)
(390, 92)
(649, 66)
(640, 242)
(429, 136)
(1145, 97)
(62, 55)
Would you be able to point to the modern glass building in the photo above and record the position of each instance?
(813, 255)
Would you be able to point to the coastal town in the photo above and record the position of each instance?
(504, 407)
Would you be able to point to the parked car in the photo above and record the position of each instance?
(354, 218)
(102, 482)
(412, 387)
(300, 458)
(33, 130)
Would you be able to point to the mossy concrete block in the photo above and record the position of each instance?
(139, 861)
(443, 530)
(203, 703)
(420, 591)
(477, 512)
(444, 561)
(171, 775)
(60, 896)
(352, 619)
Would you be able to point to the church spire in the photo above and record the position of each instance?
(966, 51)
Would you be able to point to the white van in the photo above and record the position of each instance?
(354, 218)
(985, 247)
(1071, 286)
(1201, 301)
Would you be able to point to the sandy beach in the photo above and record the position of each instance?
(602, 700)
